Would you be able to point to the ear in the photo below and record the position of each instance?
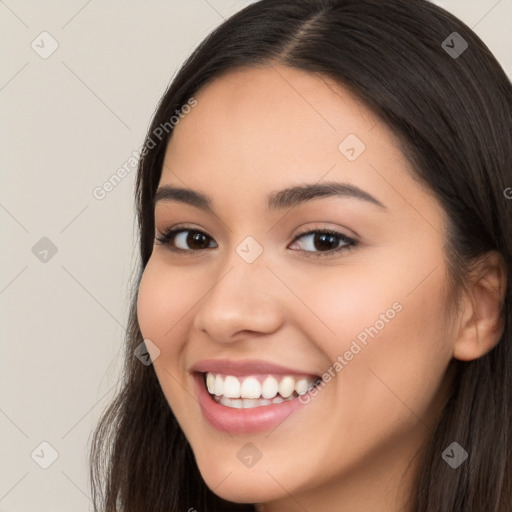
(482, 323)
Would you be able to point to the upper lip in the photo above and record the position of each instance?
(244, 367)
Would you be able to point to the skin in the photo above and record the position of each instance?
(352, 447)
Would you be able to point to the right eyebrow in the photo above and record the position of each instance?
(281, 199)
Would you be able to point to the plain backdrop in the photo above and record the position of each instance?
(69, 119)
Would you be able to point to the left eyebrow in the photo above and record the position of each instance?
(286, 198)
(294, 196)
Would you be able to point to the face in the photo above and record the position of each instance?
(262, 293)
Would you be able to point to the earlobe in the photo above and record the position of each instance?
(482, 321)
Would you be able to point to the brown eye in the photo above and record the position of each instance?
(325, 242)
(183, 239)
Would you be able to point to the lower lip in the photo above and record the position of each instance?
(242, 421)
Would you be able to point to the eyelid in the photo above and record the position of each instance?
(321, 227)
(350, 243)
(172, 232)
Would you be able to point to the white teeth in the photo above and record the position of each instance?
(251, 388)
(301, 386)
(231, 387)
(210, 383)
(235, 403)
(287, 387)
(269, 387)
(219, 385)
(249, 403)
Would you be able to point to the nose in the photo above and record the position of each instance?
(243, 299)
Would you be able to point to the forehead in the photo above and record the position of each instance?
(276, 104)
(259, 129)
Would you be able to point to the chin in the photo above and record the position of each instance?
(241, 485)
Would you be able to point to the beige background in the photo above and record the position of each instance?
(68, 122)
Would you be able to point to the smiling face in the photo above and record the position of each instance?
(251, 280)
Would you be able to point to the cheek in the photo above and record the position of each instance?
(165, 296)
(401, 369)
(335, 305)
(389, 333)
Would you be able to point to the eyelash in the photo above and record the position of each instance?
(166, 237)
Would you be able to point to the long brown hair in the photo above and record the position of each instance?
(453, 114)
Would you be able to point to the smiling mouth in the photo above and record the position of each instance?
(257, 390)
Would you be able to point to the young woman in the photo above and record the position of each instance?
(321, 321)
